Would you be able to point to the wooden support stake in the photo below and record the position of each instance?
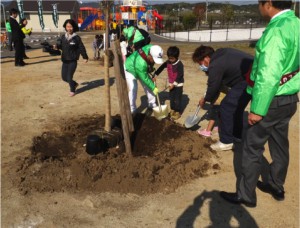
(126, 117)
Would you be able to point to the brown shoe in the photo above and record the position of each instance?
(171, 113)
(175, 116)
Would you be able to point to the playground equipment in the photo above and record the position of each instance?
(91, 19)
(154, 19)
(133, 13)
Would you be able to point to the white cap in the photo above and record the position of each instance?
(157, 53)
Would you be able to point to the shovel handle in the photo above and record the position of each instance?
(196, 113)
(197, 110)
(158, 101)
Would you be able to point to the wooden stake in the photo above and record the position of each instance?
(126, 117)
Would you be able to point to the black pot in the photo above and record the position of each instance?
(94, 145)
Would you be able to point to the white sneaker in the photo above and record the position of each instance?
(219, 146)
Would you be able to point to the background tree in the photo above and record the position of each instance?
(189, 20)
(106, 5)
(227, 12)
(199, 11)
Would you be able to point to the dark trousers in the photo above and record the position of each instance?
(273, 128)
(67, 72)
(175, 98)
(231, 113)
(9, 35)
(20, 49)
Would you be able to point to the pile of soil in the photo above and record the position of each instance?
(165, 156)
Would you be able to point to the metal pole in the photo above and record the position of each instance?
(250, 30)
(3, 13)
(227, 31)
(206, 10)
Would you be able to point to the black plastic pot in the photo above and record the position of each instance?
(94, 145)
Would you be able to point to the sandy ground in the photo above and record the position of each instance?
(35, 100)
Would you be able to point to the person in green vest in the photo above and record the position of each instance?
(137, 67)
(274, 84)
(8, 32)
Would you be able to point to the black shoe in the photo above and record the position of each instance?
(26, 57)
(232, 197)
(19, 64)
(23, 63)
(267, 188)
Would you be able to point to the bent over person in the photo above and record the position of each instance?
(226, 69)
(274, 84)
(138, 65)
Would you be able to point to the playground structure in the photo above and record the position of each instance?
(91, 19)
(154, 20)
(131, 13)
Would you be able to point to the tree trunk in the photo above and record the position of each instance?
(106, 75)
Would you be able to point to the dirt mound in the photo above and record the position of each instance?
(165, 156)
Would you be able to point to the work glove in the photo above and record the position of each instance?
(155, 91)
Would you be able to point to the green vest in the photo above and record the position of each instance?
(138, 67)
(277, 54)
(7, 26)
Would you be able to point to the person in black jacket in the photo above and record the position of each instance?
(226, 69)
(17, 38)
(71, 45)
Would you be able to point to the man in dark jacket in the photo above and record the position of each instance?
(17, 38)
(226, 69)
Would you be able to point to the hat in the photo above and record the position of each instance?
(157, 52)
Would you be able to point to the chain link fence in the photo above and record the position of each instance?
(213, 31)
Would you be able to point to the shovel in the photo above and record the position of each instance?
(161, 111)
(192, 120)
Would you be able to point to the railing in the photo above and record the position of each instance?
(215, 33)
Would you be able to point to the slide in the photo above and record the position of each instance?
(159, 19)
(88, 21)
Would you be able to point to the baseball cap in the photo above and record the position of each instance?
(157, 52)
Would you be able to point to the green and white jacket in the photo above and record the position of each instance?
(137, 66)
(277, 54)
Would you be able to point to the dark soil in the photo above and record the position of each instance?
(165, 156)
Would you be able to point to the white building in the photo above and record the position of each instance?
(66, 10)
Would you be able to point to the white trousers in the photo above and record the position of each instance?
(132, 92)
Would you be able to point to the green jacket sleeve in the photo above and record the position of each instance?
(277, 53)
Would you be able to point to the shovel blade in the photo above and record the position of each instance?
(191, 121)
(161, 112)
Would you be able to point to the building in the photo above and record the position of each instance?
(66, 10)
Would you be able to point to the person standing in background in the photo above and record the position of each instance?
(274, 85)
(26, 31)
(17, 38)
(8, 32)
